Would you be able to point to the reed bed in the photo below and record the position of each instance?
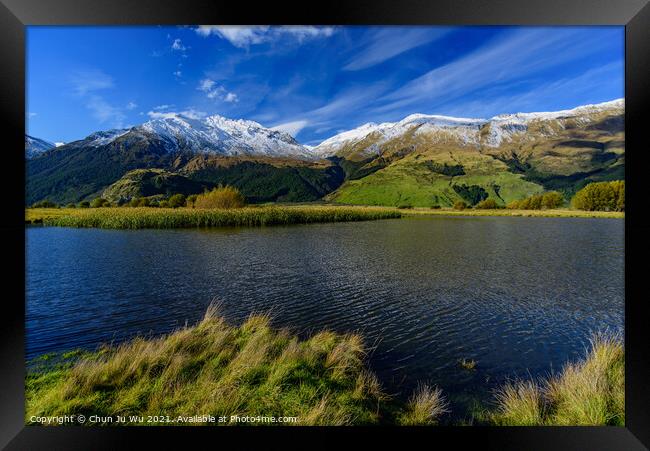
(166, 218)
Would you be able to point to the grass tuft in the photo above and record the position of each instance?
(590, 392)
(424, 408)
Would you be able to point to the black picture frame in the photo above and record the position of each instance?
(633, 14)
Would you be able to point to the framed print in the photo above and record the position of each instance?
(373, 218)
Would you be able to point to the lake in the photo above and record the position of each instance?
(518, 295)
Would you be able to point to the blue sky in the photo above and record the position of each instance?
(312, 82)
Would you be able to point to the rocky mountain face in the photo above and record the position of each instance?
(422, 160)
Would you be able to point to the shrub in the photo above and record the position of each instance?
(190, 200)
(460, 205)
(163, 204)
(99, 202)
(71, 205)
(487, 204)
(405, 207)
(220, 197)
(552, 199)
(177, 200)
(601, 196)
(84, 204)
(139, 202)
(45, 204)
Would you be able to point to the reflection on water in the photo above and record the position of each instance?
(519, 295)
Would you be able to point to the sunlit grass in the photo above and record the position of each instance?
(590, 392)
(217, 369)
(424, 407)
(143, 217)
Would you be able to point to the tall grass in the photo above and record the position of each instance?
(425, 407)
(586, 393)
(159, 218)
(217, 369)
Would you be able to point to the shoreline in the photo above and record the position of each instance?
(146, 217)
(217, 370)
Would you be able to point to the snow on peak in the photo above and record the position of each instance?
(104, 137)
(36, 146)
(466, 130)
(218, 134)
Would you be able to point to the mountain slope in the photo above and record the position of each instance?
(150, 182)
(422, 160)
(259, 179)
(434, 160)
(82, 169)
(36, 146)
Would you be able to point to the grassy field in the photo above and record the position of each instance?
(142, 217)
(216, 369)
(252, 370)
(555, 213)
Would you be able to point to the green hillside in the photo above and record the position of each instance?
(422, 181)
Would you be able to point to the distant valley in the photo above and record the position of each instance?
(422, 160)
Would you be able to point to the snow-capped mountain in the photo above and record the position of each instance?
(36, 146)
(468, 131)
(218, 135)
(213, 135)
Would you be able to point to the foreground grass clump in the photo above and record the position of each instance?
(586, 393)
(224, 371)
(424, 407)
(217, 369)
(160, 218)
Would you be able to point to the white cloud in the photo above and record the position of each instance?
(214, 91)
(131, 106)
(178, 45)
(85, 85)
(190, 113)
(206, 85)
(293, 128)
(392, 41)
(162, 107)
(513, 56)
(84, 82)
(580, 87)
(245, 36)
(231, 97)
(31, 115)
(177, 73)
(346, 102)
(58, 144)
(105, 112)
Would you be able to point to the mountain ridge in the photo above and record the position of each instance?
(506, 156)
